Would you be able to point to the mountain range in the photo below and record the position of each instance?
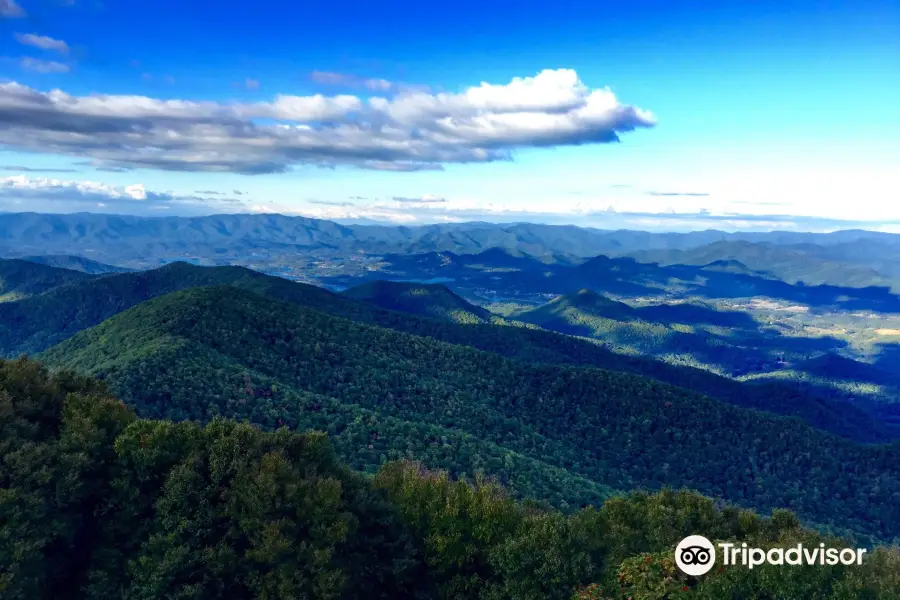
(217, 351)
(120, 239)
(34, 324)
(416, 443)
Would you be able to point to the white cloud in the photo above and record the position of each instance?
(23, 183)
(43, 66)
(43, 42)
(415, 130)
(10, 9)
(64, 195)
(339, 212)
(251, 84)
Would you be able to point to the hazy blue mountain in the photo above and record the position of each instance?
(808, 263)
(76, 263)
(119, 238)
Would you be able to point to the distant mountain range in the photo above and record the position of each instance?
(499, 273)
(808, 263)
(117, 238)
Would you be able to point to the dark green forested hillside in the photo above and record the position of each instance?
(218, 351)
(731, 343)
(430, 300)
(76, 263)
(96, 504)
(34, 324)
(807, 263)
(21, 278)
(694, 334)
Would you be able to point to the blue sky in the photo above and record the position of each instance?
(733, 115)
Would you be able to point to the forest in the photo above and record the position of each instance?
(96, 503)
(215, 352)
(35, 323)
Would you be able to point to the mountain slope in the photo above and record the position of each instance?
(186, 351)
(76, 263)
(36, 323)
(429, 300)
(150, 240)
(728, 342)
(156, 509)
(572, 313)
(22, 278)
(796, 263)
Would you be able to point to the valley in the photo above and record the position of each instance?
(565, 384)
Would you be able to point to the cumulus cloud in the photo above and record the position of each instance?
(43, 66)
(411, 131)
(62, 195)
(10, 9)
(43, 42)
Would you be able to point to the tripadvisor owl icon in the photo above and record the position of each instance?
(695, 555)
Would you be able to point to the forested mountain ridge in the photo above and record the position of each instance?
(730, 343)
(21, 278)
(75, 263)
(617, 430)
(36, 323)
(809, 263)
(162, 239)
(98, 504)
(429, 300)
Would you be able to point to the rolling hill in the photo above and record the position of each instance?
(806, 263)
(76, 263)
(217, 351)
(107, 505)
(727, 342)
(564, 311)
(429, 300)
(35, 324)
(22, 278)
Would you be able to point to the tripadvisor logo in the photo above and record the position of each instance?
(695, 555)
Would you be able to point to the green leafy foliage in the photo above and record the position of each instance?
(430, 300)
(75, 263)
(22, 278)
(34, 324)
(96, 504)
(218, 351)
